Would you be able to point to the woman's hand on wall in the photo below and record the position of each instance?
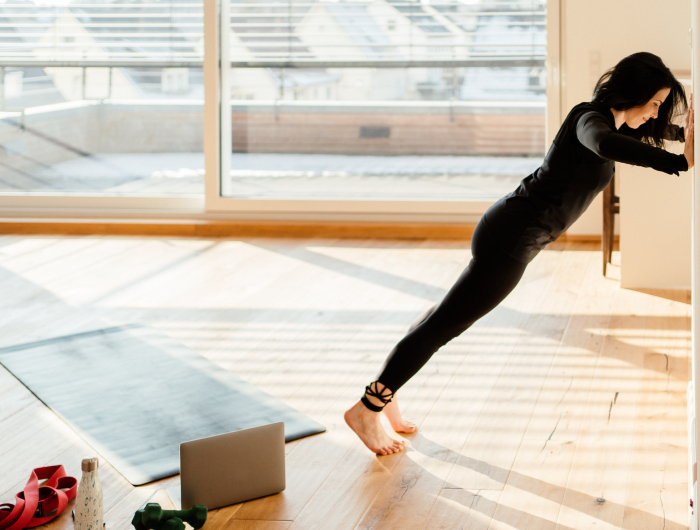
(689, 150)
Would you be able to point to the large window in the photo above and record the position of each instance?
(384, 99)
(101, 97)
(290, 104)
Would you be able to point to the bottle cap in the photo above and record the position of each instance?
(90, 464)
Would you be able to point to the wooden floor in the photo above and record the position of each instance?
(564, 408)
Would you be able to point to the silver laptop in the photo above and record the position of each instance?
(233, 467)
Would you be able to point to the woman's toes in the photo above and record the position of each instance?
(394, 447)
(406, 427)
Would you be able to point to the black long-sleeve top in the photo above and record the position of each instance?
(579, 165)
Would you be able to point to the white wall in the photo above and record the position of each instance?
(655, 228)
(596, 34)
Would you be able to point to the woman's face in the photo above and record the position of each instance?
(637, 116)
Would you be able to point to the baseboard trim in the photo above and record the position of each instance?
(229, 229)
(584, 238)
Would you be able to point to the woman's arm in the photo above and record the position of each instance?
(595, 133)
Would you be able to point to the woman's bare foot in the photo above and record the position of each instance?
(393, 414)
(368, 427)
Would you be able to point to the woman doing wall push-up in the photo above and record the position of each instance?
(627, 121)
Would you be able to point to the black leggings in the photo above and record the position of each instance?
(490, 276)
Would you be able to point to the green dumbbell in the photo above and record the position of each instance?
(152, 516)
(136, 520)
(174, 523)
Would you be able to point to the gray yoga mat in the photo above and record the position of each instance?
(135, 394)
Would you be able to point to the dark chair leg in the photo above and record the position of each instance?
(611, 206)
(605, 246)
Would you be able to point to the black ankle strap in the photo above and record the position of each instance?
(385, 396)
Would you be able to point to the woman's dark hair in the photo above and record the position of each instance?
(632, 83)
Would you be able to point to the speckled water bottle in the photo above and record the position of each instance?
(88, 501)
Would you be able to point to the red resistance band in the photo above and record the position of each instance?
(39, 505)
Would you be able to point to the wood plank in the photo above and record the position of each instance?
(68, 257)
(437, 461)
(221, 518)
(43, 448)
(14, 247)
(74, 273)
(45, 320)
(288, 377)
(312, 312)
(135, 264)
(463, 509)
(234, 292)
(114, 486)
(37, 307)
(226, 274)
(120, 515)
(237, 524)
(351, 362)
(191, 264)
(564, 395)
(293, 313)
(344, 325)
(14, 396)
(488, 454)
(597, 486)
(657, 484)
(25, 425)
(353, 485)
(536, 483)
(315, 459)
(535, 487)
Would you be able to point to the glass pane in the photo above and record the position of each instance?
(101, 97)
(505, 32)
(386, 99)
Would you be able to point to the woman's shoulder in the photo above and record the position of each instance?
(586, 114)
(591, 108)
(568, 145)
